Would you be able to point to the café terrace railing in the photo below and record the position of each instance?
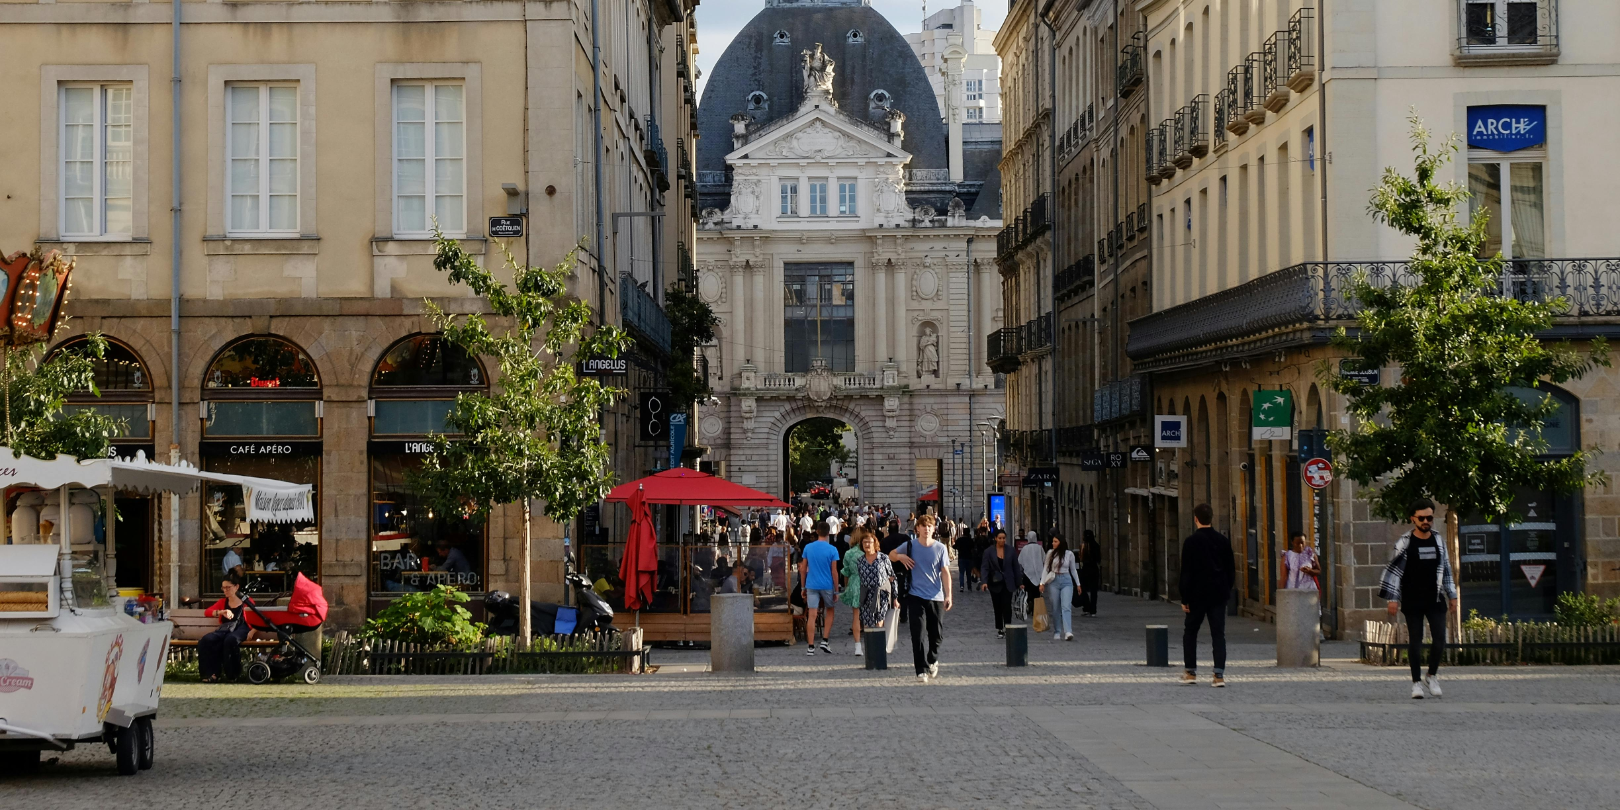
(1321, 292)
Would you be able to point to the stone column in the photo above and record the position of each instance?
(989, 302)
(731, 632)
(880, 305)
(1299, 621)
(902, 339)
(739, 352)
(757, 344)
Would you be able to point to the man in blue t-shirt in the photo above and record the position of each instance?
(930, 594)
(818, 570)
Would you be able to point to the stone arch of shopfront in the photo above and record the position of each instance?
(788, 418)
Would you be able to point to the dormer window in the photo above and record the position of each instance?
(855, 37)
(781, 38)
(881, 98)
(758, 101)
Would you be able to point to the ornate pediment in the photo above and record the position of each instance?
(819, 134)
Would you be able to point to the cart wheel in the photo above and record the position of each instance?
(145, 743)
(258, 672)
(127, 749)
(311, 674)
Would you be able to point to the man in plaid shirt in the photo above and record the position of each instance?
(1418, 583)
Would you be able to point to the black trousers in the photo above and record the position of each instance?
(1089, 585)
(1197, 613)
(926, 630)
(1001, 600)
(1436, 614)
(217, 652)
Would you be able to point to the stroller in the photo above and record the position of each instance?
(305, 611)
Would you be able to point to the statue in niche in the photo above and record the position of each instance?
(818, 71)
(928, 352)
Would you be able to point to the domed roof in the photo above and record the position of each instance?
(869, 56)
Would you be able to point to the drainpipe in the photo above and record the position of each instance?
(1052, 236)
(596, 162)
(1322, 178)
(972, 462)
(174, 305)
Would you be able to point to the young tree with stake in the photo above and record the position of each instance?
(537, 435)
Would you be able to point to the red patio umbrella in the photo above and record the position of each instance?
(639, 568)
(683, 486)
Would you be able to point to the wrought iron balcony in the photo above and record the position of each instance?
(1130, 71)
(1271, 310)
(1150, 153)
(1034, 221)
(656, 156)
(1254, 110)
(1275, 81)
(1038, 333)
(1079, 275)
(1002, 349)
(1120, 399)
(1301, 67)
(642, 315)
(1223, 104)
(1513, 32)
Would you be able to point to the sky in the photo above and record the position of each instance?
(720, 20)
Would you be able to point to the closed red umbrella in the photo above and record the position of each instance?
(639, 568)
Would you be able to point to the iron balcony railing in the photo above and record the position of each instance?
(1150, 151)
(1038, 333)
(1075, 439)
(1320, 292)
(1030, 447)
(1076, 275)
(1130, 71)
(1197, 125)
(1240, 89)
(1002, 349)
(1223, 103)
(1301, 67)
(1033, 222)
(657, 157)
(1119, 399)
(1275, 58)
(1527, 33)
(1255, 65)
(641, 314)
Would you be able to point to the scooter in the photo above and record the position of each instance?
(591, 613)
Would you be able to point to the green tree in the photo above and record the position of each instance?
(812, 448)
(538, 435)
(1449, 428)
(38, 423)
(691, 325)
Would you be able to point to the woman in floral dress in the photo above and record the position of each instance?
(876, 577)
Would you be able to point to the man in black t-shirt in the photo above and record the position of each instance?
(1418, 583)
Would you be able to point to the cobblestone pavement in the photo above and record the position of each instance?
(1085, 725)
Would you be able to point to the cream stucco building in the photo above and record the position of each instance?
(256, 245)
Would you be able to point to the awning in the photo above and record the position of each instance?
(687, 487)
(269, 501)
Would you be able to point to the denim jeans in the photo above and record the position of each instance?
(1060, 603)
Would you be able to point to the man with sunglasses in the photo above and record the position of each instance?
(1418, 583)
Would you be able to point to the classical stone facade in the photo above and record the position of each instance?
(850, 271)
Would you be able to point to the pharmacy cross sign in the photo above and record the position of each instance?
(1318, 473)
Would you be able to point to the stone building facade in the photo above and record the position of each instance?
(299, 347)
(844, 244)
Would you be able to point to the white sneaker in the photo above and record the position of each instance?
(933, 670)
(1069, 637)
(1432, 682)
(922, 677)
(1417, 690)
(858, 651)
(1057, 636)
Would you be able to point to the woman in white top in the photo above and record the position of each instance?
(1300, 568)
(1057, 585)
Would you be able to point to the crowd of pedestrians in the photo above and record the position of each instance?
(892, 571)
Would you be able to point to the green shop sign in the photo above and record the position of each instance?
(1272, 416)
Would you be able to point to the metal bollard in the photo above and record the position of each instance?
(1158, 645)
(1017, 645)
(875, 647)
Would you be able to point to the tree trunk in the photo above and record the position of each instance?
(525, 620)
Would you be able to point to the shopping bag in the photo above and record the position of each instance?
(891, 623)
(1038, 622)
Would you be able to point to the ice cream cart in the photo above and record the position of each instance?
(78, 664)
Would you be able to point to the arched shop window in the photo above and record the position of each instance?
(126, 394)
(261, 414)
(1519, 569)
(414, 548)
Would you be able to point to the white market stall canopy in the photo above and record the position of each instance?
(268, 501)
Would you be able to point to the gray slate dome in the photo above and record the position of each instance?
(869, 55)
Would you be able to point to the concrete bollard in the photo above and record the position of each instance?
(1299, 622)
(1158, 645)
(1017, 645)
(875, 646)
(731, 632)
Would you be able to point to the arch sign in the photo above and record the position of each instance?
(1318, 473)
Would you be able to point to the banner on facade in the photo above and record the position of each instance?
(1169, 431)
(1507, 127)
(677, 438)
(1272, 416)
(267, 504)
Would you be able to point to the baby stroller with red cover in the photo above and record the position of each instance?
(305, 611)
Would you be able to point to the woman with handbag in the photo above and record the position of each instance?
(874, 577)
(999, 567)
(1058, 575)
(217, 651)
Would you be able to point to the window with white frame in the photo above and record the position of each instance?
(1509, 188)
(790, 198)
(262, 152)
(975, 89)
(1508, 22)
(818, 198)
(430, 158)
(98, 159)
(975, 113)
(846, 198)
